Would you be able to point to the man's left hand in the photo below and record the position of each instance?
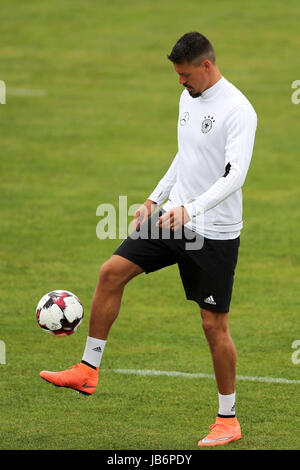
(174, 219)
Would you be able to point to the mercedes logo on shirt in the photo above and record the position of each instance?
(184, 119)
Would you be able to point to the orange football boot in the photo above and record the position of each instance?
(223, 431)
(81, 377)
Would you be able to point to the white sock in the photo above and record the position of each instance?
(226, 405)
(93, 351)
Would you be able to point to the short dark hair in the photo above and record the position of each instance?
(192, 47)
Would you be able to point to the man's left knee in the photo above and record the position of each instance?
(214, 323)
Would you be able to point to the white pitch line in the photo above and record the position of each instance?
(244, 378)
(25, 92)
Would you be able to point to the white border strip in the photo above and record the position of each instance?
(25, 92)
(244, 378)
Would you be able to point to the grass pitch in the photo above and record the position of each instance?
(91, 114)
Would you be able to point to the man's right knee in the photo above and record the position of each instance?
(117, 271)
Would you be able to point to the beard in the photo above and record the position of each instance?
(195, 95)
(192, 93)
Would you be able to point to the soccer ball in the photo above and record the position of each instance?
(59, 313)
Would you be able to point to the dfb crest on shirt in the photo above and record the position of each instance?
(207, 124)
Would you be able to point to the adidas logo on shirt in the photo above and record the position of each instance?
(210, 300)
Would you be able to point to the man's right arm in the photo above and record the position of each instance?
(162, 190)
(159, 194)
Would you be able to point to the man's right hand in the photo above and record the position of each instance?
(143, 213)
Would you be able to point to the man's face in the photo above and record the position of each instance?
(194, 78)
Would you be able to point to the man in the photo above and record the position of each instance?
(216, 131)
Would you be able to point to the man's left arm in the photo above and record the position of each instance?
(240, 134)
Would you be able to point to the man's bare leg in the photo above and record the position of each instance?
(223, 351)
(114, 275)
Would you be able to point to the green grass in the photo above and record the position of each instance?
(107, 127)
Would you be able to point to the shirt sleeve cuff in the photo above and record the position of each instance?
(157, 196)
(193, 209)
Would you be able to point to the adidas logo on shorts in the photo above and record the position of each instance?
(210, 300)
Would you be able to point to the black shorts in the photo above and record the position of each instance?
(206, 266)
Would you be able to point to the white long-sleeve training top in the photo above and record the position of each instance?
(216, 133)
